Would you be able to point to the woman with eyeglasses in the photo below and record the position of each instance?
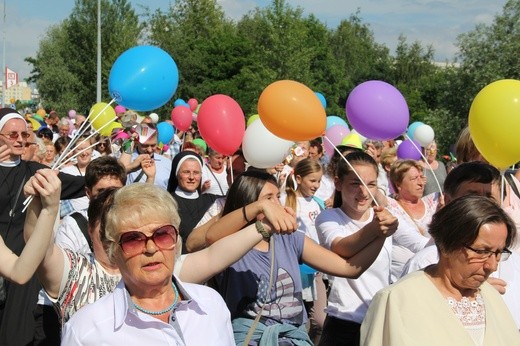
(450, 303)
(434, 169)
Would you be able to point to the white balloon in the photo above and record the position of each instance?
(424, 135)
(261, 148)
(154, 117)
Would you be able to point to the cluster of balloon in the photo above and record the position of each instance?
(261, 148)
(292, 111)
(409, 150)
(181, 117)
(335, 134)
(221, 123)
(165, 132)
(377, 110)
(421, 133)
(143, 78)
(494, 120)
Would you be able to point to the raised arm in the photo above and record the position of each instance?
(200, 266)
(41, 216)
(38, 216)
(234, 221)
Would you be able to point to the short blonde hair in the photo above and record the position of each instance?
(400, 168)
(465, 149)
(133, 206)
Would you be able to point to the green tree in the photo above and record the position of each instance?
(64, 68)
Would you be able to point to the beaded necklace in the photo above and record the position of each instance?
(161, 312)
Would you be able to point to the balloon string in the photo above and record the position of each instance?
(353, 170)
(77, 154)
(427, 163)
(502, 185)
(82, 129)
(231, 168)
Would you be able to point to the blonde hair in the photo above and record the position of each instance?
(303, 168)
(465, 148)
(133, 206)
(400, 168)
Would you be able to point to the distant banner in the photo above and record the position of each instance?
(11, 78)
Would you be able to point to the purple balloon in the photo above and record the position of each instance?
(377, 110)
(335, 134)
(407, 151)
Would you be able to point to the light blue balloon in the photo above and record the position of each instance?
(322, 99)
(411, 129)
(165, 132)
(143, 78)
(335, 120)
(181, 102)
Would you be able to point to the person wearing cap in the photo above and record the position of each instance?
(184, 185)
(17, 325)
(140, 158)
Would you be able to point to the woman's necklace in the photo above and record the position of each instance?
(161, 312)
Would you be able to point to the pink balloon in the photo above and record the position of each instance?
(222, 123)
(194, 116)
(181, 117)
(335, 134)
(119, 109)
(193, 104)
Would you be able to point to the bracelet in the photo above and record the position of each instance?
(245, 215)
(260, 229)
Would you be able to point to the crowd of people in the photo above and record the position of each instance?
(130, 241)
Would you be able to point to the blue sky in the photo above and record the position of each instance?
(435, 22)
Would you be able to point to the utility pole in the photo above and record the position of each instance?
(3, 62)
(98, 89)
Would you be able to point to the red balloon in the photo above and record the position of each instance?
(181, 117)
(193, 104)
(221, 123)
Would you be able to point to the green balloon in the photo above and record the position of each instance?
(252, 118)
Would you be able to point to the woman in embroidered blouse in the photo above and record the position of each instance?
(450, 302)
(412, 210)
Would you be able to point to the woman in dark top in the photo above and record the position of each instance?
(184, 185)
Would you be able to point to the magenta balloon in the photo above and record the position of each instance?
(377, 110)
(222, 124)
(407, 151)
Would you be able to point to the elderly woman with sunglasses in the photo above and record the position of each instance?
(450, 303)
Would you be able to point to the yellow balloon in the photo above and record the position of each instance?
(494, 121)
(352, 140)
(107, 131)
(12, 100)
(41, 112)
(100, 115)
(252, 119)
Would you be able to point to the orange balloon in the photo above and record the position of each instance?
(292, 111)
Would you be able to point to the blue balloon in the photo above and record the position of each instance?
(411, 129)
(165, 132)
(181, 102)
(143, 78)
(335, 120)
(322, 99)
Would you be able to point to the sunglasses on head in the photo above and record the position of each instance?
(134, 242)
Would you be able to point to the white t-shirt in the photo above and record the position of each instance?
(307, 210)
(349, 298)
(219, 185)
